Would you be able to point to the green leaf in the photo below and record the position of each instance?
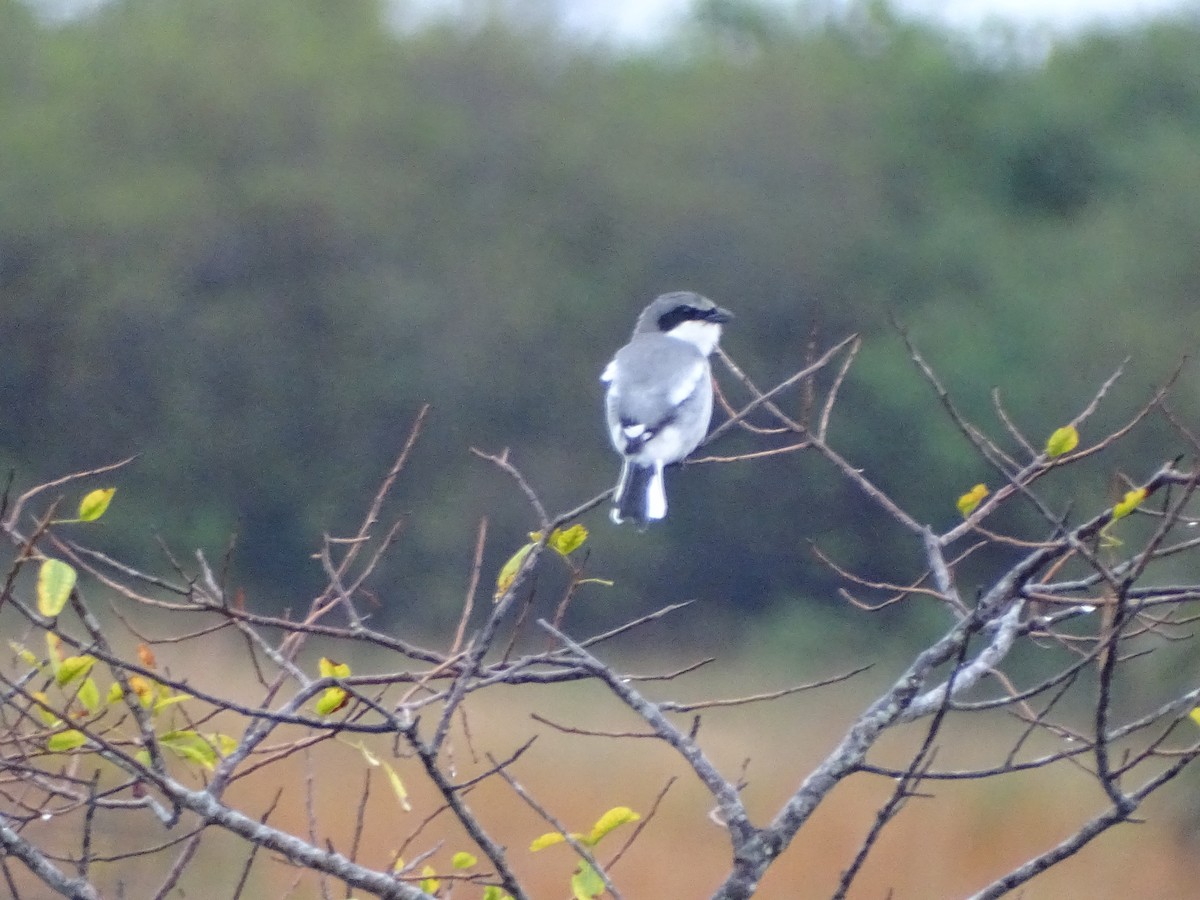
(508, 574)
(24, 654)
(371, 759)
(331, 701)
(615, 817)
(1133, 499)
(143, 688)
(549, 839)
(165, 698)
(397, 787)
(463, 860)
(568, 540)
(224, 743)
(94, 504)
(54, 584)
(493, 892)
(49, 719)
(66, 740)
(429, 884)
(393, 778)
(1194, 715)
(334, 698)
(970, 501)
(331, 669)
(1063, 440)
(89, 695)
(586, 883)
(191, 746)
(73, 667)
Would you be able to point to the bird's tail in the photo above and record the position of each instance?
(640, 494)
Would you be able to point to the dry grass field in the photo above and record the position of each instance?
(945, 845)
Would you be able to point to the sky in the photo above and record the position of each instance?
(641, 19)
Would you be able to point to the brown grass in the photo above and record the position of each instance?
(946, 845)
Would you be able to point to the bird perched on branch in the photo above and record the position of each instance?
(660, 398)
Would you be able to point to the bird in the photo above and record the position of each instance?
(659, 398)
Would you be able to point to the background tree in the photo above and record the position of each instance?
(96, 738)
(232, 235)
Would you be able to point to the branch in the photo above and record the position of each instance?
(40, 865)
(761, 399)
(1089, 831)
(733, 813)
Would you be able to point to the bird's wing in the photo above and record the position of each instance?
(685, 382)
(650, 378)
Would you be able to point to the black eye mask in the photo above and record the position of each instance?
(681, 314)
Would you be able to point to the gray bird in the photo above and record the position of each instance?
(660, 398)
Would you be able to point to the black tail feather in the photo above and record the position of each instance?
(632, 500)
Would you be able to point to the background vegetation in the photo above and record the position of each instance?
(248, 240)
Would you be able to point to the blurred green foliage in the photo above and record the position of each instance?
(249, 240)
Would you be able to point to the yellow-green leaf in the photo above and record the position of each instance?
(73, 667)
(54, 649)
(331, 701)
(54, 584)
(143, 688)
(549, 839)
(970, 501)
(508, 574)
(49, 719)
(586, 883)
(114, 693)
(429, 884)
(1194, 715)
(492, 892)
(165, 698)
(371, 759)
(397, 787)
(94, 504)
(615, 817)
(142, 757)
(191, 746)
(224, 743)
(89, 695)
(24, 654)
(66, 740)
(1063, 440)
(568, 540)
(463, 860)
(393, 778)
(331, 669)
(1133, 499)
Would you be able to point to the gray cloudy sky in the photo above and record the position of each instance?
(632, 19)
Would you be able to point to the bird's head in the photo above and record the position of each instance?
(687, 316)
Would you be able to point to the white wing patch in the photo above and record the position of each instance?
(634, 431)
(610, 372)
(686, 385)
